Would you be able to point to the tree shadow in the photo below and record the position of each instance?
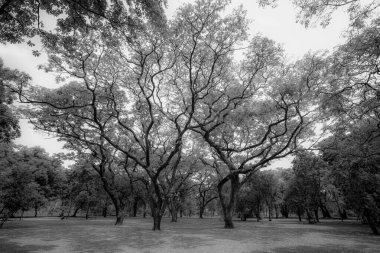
(9, 247)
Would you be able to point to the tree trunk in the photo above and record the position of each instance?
(105, 209)
(135, 206)
(299, 214)
(120, 215)
(284, 211)
(371, 222)
(257, 213)
(276, 210)
(227, 208)
(87, 211)
(157, 222)
(310, 217)
(325, 211)
(316, 215)
(201, 210)
(75, 212)
(174, 214)
(35, 211)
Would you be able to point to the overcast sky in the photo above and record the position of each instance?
(278, 24)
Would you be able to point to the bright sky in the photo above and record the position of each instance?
(278, 24)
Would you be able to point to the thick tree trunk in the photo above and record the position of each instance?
(120, 215)
(201, 211)
(157, 222)
(228, 204)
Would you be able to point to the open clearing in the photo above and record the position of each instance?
(188, 235)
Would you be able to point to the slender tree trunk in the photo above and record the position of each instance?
(75, 212)
(87, 211)
(35, 211)
(316, 214)
(105, 210)
(371, 222)
(4, 219)
(276, 210)
(257, 212)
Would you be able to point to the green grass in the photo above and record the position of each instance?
(188, 235)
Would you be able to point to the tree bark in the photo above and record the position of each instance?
(201, 211)
(157, 222)
(120, 215)
(228, 204)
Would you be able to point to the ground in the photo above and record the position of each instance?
(187, 235)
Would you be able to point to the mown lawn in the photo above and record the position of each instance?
(188, 235)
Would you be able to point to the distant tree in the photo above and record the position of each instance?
(30, 177)
(305, 190)
(205, 188)
(353, 158)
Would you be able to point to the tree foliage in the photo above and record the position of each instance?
(25, 19)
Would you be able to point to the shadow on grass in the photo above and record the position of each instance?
(8, 247)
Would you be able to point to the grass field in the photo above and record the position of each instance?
(188, 235)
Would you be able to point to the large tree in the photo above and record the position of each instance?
(29, 177)
(133, 101)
